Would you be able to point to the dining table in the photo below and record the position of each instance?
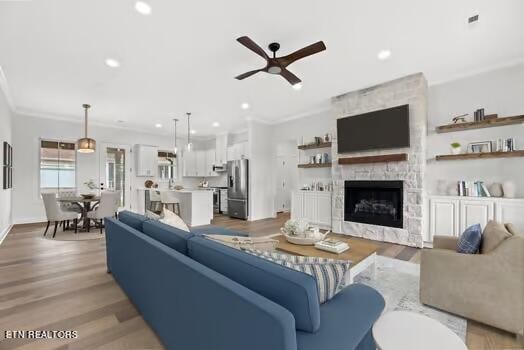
(85, 204)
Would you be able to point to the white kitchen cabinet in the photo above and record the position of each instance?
(221, 149)
(444, 217)
(210, 162)
(475, 212)
(451, 215)
(238, 151)
(190, 164)
(146, 160)
(315, 206)
(201, 163)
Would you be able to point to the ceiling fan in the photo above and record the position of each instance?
(278, 65)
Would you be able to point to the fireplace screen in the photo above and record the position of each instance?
(374, 202)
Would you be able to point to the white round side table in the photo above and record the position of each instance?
(411, 331)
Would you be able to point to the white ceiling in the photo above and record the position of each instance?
(184, 57)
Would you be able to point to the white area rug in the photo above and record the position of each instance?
(398, 282)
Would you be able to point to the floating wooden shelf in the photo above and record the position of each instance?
(485, 155)
(488, 123)
(398, 157)
(317, 165)
(315, 146)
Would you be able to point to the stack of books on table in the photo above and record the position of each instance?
(332, 245)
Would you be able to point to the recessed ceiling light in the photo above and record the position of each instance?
(143, 8)
(111, 62)
(216, 124)
(297, 86)
(193, 131)
(158, 125)
(384, 55)
(245, 105)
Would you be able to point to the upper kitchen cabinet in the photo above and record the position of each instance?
(238, 151)
(221, 149)
(146, 160)
(199, 163)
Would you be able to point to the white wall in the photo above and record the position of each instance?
(5, 135)
(261, 171)
(27, 131)
(501, 92)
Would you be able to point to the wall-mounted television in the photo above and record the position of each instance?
(383, 129)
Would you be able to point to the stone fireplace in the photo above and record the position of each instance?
(374, 202)
(406, 208)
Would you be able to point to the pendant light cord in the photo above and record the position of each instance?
(188, 129)
(86, 107)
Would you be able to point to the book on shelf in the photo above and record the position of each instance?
(472, 189)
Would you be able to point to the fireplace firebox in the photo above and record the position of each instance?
(374, 202)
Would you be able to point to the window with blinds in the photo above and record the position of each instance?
(57, 166)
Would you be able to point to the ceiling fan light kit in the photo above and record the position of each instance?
(278, 65)
(86, 144)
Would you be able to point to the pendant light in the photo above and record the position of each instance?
(189, 144)
(85, 144)
(176, 148)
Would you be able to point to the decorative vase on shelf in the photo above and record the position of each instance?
(495, 189)
(509, 189)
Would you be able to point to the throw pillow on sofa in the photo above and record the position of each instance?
(470, 239)
(174, 220)
(329, 274)
(494, 234)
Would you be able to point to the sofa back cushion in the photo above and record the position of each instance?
(494, 233)
(168, 235)
(132, 219)
(291, 289)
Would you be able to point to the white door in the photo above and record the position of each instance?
(114, 171)
(510, 211)
(475, 212)
(324, 210)
(284, 169)
(444, 217)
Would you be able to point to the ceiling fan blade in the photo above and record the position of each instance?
(248, 74)
(290, 77)
(250, 44)
(304, 52)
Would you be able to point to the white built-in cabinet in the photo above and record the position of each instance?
(315, 206)
(199, 163)
(451, 215)
(238, 151)
(146, 160)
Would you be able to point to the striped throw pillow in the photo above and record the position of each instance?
(329, 274)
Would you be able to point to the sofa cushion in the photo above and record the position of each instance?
(168, 235)
(329, 274)
(215, 230)
(469, 241)
(171, 219)
(346, 321)
(291, 289)
(494, 233)
(512, 229)
(132, 219)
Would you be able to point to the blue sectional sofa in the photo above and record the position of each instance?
(200, 295)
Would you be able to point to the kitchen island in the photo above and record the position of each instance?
(196, 205)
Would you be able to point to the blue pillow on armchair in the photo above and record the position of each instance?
(469, 241)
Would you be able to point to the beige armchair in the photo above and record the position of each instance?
(485, 287)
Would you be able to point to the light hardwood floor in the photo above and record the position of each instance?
(58, 285)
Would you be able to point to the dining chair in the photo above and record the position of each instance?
(108, 206)
(54, 213)
(169, 198)
(155, 200)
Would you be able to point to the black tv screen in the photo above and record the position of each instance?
(387, 128)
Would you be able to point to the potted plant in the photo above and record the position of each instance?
(456, 148)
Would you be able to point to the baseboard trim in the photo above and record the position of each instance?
(4, 233)
(29, 220)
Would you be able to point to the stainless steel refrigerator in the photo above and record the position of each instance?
(237, 188)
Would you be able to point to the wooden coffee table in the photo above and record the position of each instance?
(361, 253)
